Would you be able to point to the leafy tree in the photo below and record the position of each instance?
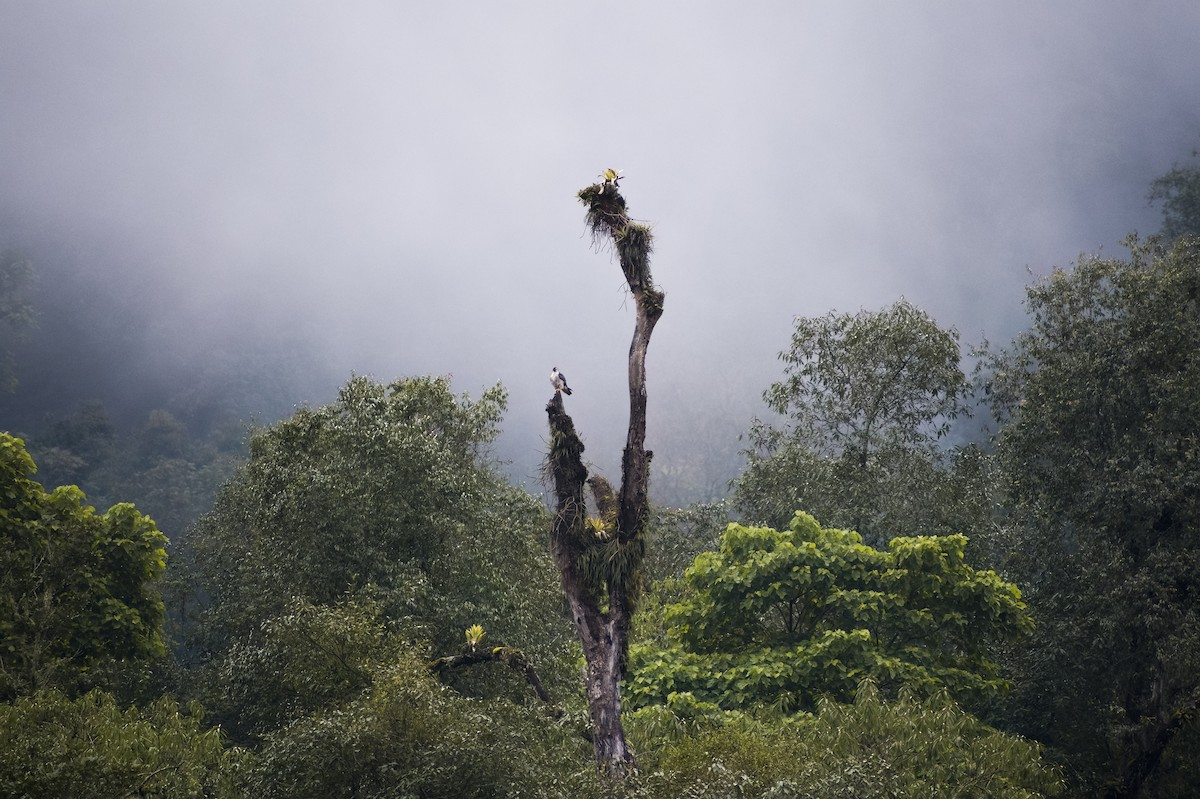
(162, 466)
(600, 558)
(1101, 455)
(169, 472)
(308, 658)
(675, 536)
(385, 493)
(1179, 192)
(350, 706)
(910, 747)
(405, 736)
(90, 748)
(73, 447)
(77, 588)
(779, 618)
(316, 657)
(16, 311)
(162, 437)
(866, 398)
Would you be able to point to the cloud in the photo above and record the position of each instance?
(392, 187)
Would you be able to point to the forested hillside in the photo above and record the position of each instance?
(354, 600)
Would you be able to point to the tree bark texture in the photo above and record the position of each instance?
(600, 562)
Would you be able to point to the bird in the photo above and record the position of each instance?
(559, 381)
(611, 178)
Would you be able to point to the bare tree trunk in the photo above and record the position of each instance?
(600, 562)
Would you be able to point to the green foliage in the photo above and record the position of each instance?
(307, 658)
(89, 748)
(866, 397)
(348, 707)
(409, 736)
(855, 383)
(170, 473)
(385, 493)
(1102, 393)
(77, 588)
(1179, 192)
(73, 447)
(910, 747)
(1102, 459)
(16, 311)
(675, 536)
(167, 471)
(780, 618)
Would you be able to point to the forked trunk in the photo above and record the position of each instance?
(600, 562)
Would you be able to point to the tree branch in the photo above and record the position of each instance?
(513, 658)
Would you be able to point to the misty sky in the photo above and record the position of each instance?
(389, 186)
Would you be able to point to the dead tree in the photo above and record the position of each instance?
(600, 558)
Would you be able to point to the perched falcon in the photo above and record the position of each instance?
(559, 381)
(611, 178)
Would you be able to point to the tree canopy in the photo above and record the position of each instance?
(16, 310)
(77, 588)
(871, 747)
(385, 495)
(865, 398)
(779, 618)
(92, 748)
(369, 608)
(1179, 192)
(1102, 459)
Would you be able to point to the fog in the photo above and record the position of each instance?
(388, 188)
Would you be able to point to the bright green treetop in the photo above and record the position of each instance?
(781, 617)
(93, 748)
(76, 587)
(906, 746)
